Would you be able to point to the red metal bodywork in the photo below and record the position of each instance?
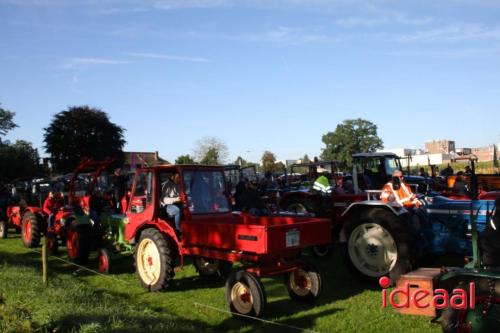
(227, 236)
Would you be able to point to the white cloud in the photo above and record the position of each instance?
(451, 33)
(168, 57)
(78, 62)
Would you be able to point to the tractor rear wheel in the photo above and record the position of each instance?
(378, 244)
(207, 267)
(104, 261)
(77, 242)
(154, 260)
(31, 230)
(484, 316)
(304, 284)
(52, 243)
(245, 294)
(3, 229)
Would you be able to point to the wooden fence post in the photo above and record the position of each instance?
(44, 261)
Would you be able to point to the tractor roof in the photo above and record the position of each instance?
(378, 154)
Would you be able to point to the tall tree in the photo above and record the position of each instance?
(184, 159)
(6, 121)
(82, 131)
(19, 159)
(211, 150)
(350, 137)
(241, 161)
(306, 159)
(268, 161)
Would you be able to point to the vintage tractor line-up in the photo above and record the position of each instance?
(376, 238)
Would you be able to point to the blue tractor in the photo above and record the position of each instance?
(384, 239)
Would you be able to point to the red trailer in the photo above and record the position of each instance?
(215, 238)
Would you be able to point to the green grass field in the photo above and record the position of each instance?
(80, 301)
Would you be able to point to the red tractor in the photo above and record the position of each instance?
(30, 221)
(75, 223)
(215, 237)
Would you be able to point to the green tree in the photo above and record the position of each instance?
(268, 161)
(240, 161)
(6, 121)
(82, 131)
(211, 157)
(211, 150)
(350, 137)
(184, 159)
(306, 159)
(19, 159)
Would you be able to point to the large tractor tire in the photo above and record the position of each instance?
(31, 230)
(378, 244)
(245, 294)
(77, 243)
(154, 260)
(207, 267)
(304, 284)
(3, 228)
(484, 316)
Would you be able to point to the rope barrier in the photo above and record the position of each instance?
(254, 318)
(268, 322)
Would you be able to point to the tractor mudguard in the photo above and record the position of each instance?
(357, 207)
(464, 272)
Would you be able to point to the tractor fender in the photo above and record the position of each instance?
(463, 272)
(166, 230)
(356, 208)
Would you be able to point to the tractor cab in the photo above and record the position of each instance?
(303, 175)
(373, 170)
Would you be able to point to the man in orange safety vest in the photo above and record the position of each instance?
(396, 190)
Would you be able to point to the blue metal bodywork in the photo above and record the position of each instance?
(447, 227)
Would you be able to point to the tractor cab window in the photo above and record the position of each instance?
(392, 164)
(143, 193)
(205, 192)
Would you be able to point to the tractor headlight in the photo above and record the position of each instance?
(63, 222)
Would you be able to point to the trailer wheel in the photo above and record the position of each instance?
(212, 267)
(3, 229)
(245, 294)
(304, 284)
(104, 261)
(482, 318)
(77, 242)
(52, 243)
(154, 260)
(378, 244)
(30, 230)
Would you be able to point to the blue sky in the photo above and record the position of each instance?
(260, 75)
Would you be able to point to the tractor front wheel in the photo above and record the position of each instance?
(104, 260)
(3, 229)
(245, 294)
(77, 242)
(154, 260)
(484, 316)
(207, 267)
(304, 284)
(30, 230)
(378, 244)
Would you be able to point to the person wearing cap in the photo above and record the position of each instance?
(51, 204)
(170, 196)
(396, 190)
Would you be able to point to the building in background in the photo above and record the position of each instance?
(440, 147)
(135, 160)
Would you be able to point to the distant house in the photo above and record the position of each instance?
(138, 159)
